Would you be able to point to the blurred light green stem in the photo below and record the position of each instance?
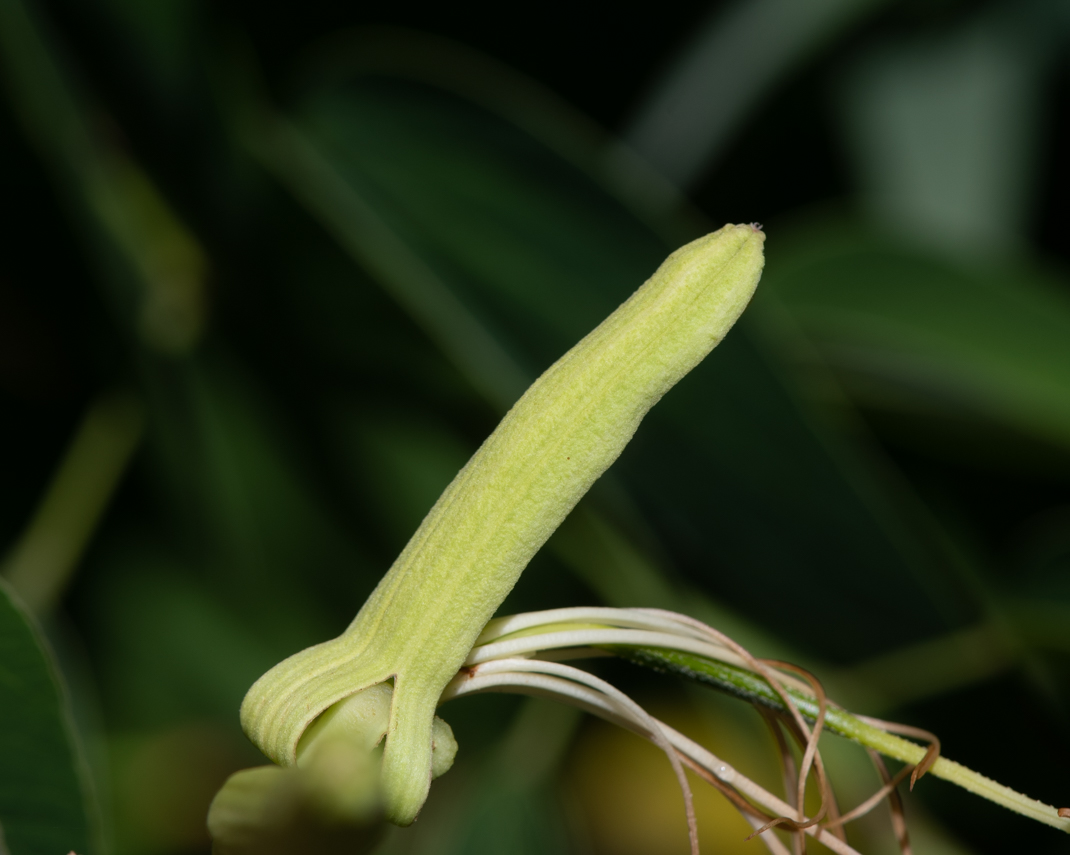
(752, 687)
(42, 561)
(158, 286)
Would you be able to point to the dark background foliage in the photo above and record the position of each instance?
(272, 271)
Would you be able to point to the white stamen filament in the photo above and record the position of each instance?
(522, 653)
(572, 685)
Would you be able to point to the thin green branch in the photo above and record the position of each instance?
(41, 563)
(753, 688)
(154, 266)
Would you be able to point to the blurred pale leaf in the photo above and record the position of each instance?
(906, 328)
(944, 133)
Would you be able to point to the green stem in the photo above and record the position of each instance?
(753, 688)
(42, 561)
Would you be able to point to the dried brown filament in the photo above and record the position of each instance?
(906, 730)
(895, 803)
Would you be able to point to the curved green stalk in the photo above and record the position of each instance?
(752, 687)
(679, 645)
(420, 623)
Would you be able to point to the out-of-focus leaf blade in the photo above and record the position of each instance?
(944, 133)
(174, 651)
(153, 268)
(719, 78)
(266, 540)
(404, 464)
(44, 801)
(510, 805)
(163, 34)
(905, 326)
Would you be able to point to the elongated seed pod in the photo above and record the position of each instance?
(420, 622)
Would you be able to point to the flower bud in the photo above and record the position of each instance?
(419, 623)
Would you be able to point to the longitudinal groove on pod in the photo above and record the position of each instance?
(572, 423)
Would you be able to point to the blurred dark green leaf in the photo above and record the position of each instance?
(45, 803)
(911, 331)
(724, 73)
(504, 801)
(404, 463)
(254, 566)
(732, 470)
(174, 651)
(163, 35)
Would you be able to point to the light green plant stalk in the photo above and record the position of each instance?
(682, 646)
(42, 561)
(420, 623)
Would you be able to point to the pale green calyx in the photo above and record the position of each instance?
(421, 621)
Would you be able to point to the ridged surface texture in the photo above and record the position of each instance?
(572, 423)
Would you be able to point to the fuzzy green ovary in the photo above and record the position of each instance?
(420, 622)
